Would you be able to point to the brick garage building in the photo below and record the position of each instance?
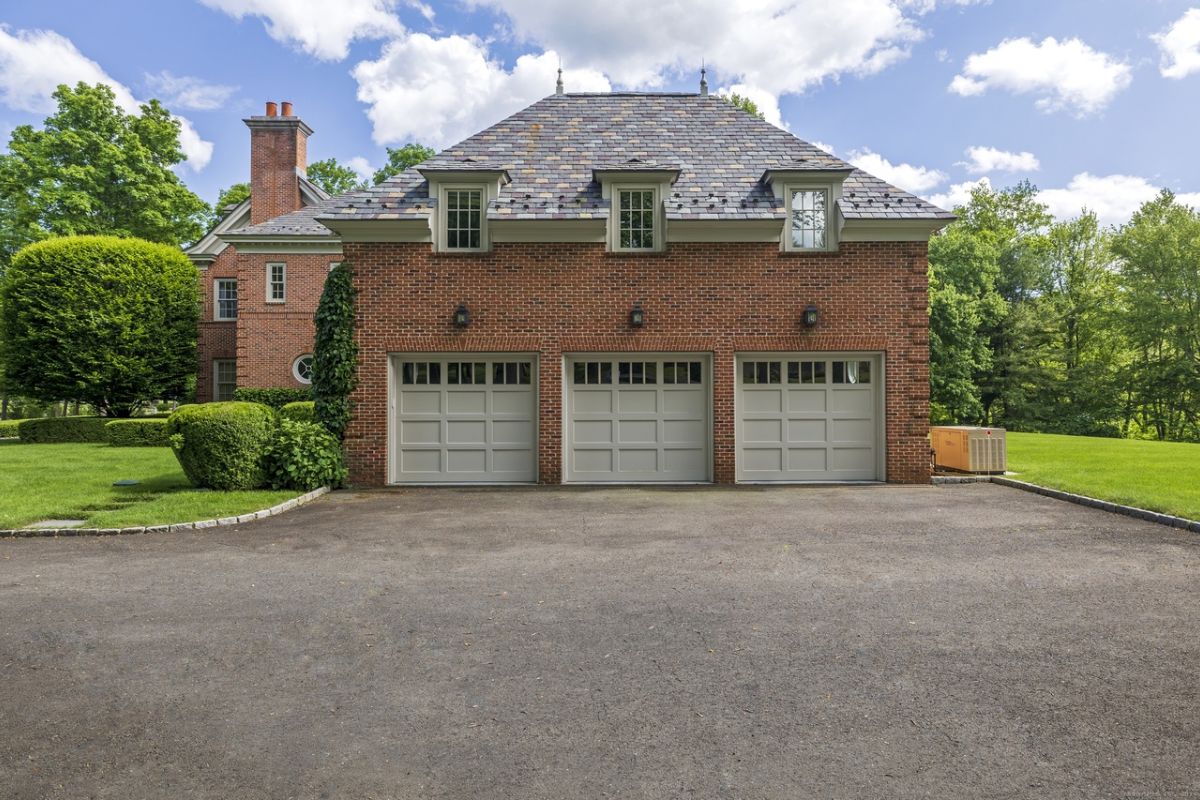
(627, 288)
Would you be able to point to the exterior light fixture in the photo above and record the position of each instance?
(637, 317)
(810, 316)
(462, 316)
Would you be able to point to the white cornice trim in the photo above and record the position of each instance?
(321, 245)
(547, 230)
(727, 231)
(883, 230)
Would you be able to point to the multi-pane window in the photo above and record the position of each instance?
(224, 379)
(637, 372)
(512, 372)
(809, 216)
(677, 372)
(421, 373)
(464, 220)
(302, 368)
(593, 372)
(765, 372)
(636, 219)
(852, 372)
(810, 372)
(226, 306)
(276, 283)
(465, 373)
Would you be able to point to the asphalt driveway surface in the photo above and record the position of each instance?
(883, 642)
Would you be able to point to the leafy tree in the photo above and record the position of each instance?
(105, 320)
(400, 159)
(228, 198)
(744, 103)
(1160, 288)
(95, 169)
(333, 177)
(335, 354)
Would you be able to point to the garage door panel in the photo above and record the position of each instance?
(421, 402)
(464, 419)
(807, 401)
(808, 417)
(637, 418)
(637, 431)
(806, 430)
(808, 459)
(763, 401)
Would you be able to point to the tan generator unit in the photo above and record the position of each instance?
(968, 449)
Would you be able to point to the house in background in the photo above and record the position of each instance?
(608, 288)
(259, 296)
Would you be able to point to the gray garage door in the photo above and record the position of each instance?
(637, 418)
(808, 417)
(462, 418)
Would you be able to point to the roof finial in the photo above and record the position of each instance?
(558, 87)
(703, 79)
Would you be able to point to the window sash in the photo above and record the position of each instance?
(227, 299)
(636, 222)
(810, 219)
(224, 378)
(276, 283)
(464, 219)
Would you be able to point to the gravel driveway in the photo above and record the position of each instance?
(852, 642)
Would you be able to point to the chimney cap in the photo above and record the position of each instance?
(271, 108)
(286, 108)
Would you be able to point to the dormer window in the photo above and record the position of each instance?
(809, 219)
(464, 218)
(636, 217)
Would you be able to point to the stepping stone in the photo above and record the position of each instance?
(58, 523)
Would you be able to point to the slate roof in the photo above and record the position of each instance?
(551, 149)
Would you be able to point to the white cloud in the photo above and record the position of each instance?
(1180, 46)
(828, 148)
(33, 63)
(778, 46)
(767, 103)
(1062, 75)
(183, 91)
(906, 176)
(438, 91)
(362, 168)
(1113, 198)
(958, 194)
(316, 26)
(982, 160)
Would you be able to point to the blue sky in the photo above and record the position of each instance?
(1096, 101)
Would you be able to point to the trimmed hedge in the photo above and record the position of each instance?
(47, 430)
(275, 398)
(223, 445)
(304, 456)
(302, 411)
(8, 428)
(143, 432)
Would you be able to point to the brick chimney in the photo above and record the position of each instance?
(278, 155)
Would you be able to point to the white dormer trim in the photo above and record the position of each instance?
(785, 183)
(487, 182)
(614, 181)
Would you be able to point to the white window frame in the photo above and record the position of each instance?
(789, 192)
(658, 220)
(270, 283)
(216, 377)
(444, 214)
(334, 265)
(296, 368)
(217, 316)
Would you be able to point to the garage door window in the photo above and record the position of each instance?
(637, 372)
(592, 373)
(512, 373)
(421, 373)
(851, 372)
(761, 372)
(806, 372)
(466, 373)
(682, 372)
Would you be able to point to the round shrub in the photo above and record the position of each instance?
(304, 456)
(104, 320)
(222, 445)
(303, 411)
(276, 397)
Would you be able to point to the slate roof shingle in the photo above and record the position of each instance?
(551, 149)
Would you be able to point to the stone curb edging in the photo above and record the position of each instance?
(287, 505)
(1182, 523)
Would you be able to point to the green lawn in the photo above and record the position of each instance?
(74, 481)
(1159, 476)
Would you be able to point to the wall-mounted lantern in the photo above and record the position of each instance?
(637, 317)
(462, 316)
(810, 316)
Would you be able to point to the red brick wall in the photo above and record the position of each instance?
(215, 339)
(271, 335)
(717, 298)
